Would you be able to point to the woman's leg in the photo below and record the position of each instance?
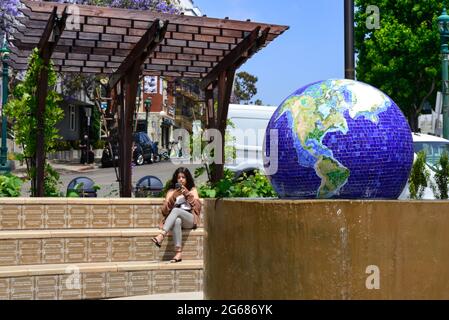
(186, 221)
(176, 220)
(186, 218)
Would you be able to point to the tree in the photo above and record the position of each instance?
(258, 102)
(400, 55)
(22, 109)
(245, 86)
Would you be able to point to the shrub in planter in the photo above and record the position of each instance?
(440, 189)
(418, 176)
(10, 185)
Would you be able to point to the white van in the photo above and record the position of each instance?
(250, 123)
(434, 147)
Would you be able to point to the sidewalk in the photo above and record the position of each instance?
(59, 166)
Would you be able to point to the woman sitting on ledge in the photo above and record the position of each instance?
(181, 210)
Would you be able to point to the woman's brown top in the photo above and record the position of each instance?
(191, 197)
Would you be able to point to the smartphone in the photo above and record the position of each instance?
(178, 186)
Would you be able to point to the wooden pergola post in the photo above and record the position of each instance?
(222, 78)
(54, 27)
(126, 81)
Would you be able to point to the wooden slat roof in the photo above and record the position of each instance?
(191, 48)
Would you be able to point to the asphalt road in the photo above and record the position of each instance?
(107, 180)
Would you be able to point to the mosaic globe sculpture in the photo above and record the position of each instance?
(339, 139)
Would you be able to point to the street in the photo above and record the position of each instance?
(107, 180)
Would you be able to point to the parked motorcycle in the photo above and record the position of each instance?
(164, 155)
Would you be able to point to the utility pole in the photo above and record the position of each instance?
(349, 40)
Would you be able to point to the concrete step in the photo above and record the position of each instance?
(79, 213)
(167, 296)
(32, 247)
(99, 280)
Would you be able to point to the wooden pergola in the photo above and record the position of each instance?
(123, 44)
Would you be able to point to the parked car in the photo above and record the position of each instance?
(142, 151)
(144, 148)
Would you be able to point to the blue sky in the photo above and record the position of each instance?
(312, 49)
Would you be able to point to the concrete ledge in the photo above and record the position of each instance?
(72, 201)
(167, 296)
(326, 249)
(93, 201)
(88, 233)
(68, 268)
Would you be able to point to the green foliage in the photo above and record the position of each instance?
(51, 182)
(245, 86)
(402, 56)
(442, 178)
(10, 185)
(99, 144)
(78, 191)
(62, 145)
(418, 176)
(252, 186)
(96, 125)
(22, 109)
(166, 188)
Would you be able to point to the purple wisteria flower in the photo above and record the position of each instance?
(9, 9)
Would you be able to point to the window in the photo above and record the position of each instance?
(433, 150)
(72, 118)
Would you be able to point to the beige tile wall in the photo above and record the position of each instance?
(95, 249)
(28, 214)
(101, 285)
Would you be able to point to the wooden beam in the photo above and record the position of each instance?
(46, 47)
(148, 16)
(48, 30)
(225, 82)
(131, 82)
(209, 101)
(142, 50)
(259, 44)
(230, 60)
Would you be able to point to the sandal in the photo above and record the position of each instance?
(157, 243)
(174, 260)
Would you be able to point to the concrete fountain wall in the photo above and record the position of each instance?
(326, 249)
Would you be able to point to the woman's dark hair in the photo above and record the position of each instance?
(190, 183)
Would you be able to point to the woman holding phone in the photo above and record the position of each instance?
(181, 210)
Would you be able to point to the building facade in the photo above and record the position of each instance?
(170, 106)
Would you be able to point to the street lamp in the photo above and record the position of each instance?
(443, 27)
(147, 109)
(4, 165)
